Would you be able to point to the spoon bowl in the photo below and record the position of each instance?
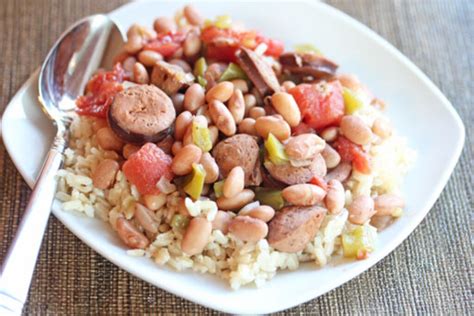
(80, 51)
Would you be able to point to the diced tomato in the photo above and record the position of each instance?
(320, 182)
(222, 53)
(100, 92)
(166, 44)
(223, 43)
(321, 105)
(274, 47)
(302, 128)
(146, 167)
(354, 153)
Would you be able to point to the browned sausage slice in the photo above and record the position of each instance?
(239, 150)
(293, 227)
(140, 114)
(308, 64)
(290, 174)
(170, 78)
(259, 71)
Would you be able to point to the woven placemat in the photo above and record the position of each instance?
(430, 273)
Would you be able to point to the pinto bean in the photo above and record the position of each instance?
(146, 218)
(214, 133)
(210, 166)
(247, 126)
(234, 183)
(192, 44)
(221, 92)
(262, 212)
(184, 159)
(240, 84)
(304, 146)
(242, 198)
(192, 15)
(181, 64)
(272, 124)
(340, 173)
(129, 149)
(303, 194)
(165, 25)
(133, 44)
(130, 235)
(285, 104)
(247, 228)
(108, 140)
(329, 134)
(335, 197)
(382, 127)
(140, 74)
(361, 209)
(221, 221)
(154, 201)
(181, 124)
(103, 176)
(149, 57)
(98, 124)
(176, 147)
(355, 129)
(331, 156)
(194, 97)
(196, 236)
(386, 204)
(257, 112)
(250, 101)
(236, 105)
(222, 117)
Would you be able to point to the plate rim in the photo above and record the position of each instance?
(378, 256)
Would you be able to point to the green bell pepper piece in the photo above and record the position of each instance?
(195, 181)
(275, 150)
(201, 137)
(271, 197)
(233, 71)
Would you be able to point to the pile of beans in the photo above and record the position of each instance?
(226, 108)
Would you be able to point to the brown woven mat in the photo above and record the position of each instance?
(429, 273)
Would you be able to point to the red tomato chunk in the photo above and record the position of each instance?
(353, 153)
(166, 44)
(222, 44)
(321, 105)
(100, 92)
(146, 167)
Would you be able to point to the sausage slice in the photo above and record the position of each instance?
(259, 71)
(293, 227)
(170, 78)
(239, 150)
(290, 174)
(140, 114)
(308, 64)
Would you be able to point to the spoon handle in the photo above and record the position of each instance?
(20, 261)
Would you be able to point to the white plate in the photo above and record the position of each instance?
(417, 107)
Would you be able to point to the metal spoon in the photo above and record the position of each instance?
(84, 47)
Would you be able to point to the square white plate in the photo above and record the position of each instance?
(417, 108)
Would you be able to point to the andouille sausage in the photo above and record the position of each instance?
(170, 78)
(259, 71)
(239, 150)
(290, 174)
(293, 227)
(308, 64)
(142, 113)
